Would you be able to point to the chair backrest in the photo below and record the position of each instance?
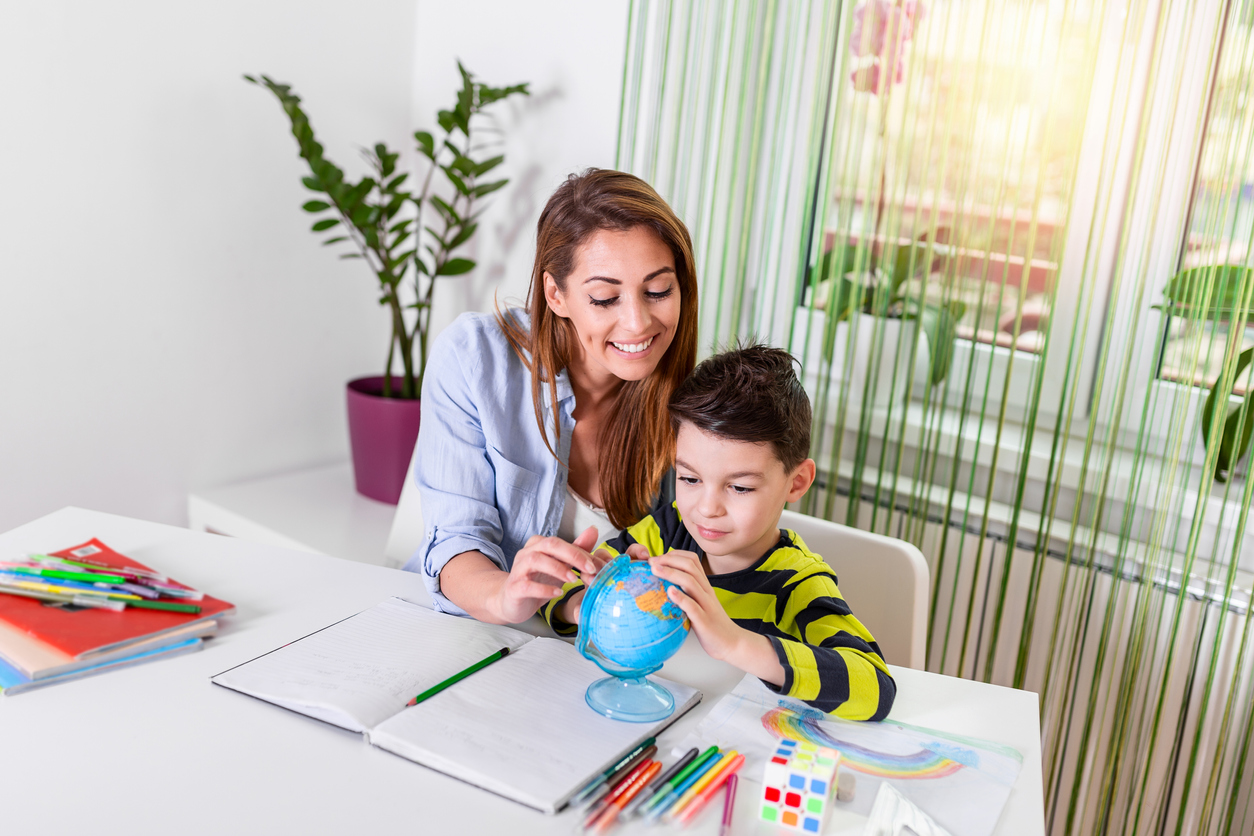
(406, 534)
(885, 581)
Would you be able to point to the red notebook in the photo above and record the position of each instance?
(83, 633)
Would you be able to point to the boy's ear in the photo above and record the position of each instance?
(801, 479)
(554, 297)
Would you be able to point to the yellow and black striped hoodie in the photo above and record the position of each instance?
(790, 596)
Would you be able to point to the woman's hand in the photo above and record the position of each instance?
(720, 637)
(540, 568)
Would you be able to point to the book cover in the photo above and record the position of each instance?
(37, 660)
(12, 682)
(83, 633)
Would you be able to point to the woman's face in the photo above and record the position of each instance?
(623, 299)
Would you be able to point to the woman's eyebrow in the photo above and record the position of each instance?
(608, 280)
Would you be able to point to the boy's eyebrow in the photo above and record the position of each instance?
(608, 280)
(738, 475)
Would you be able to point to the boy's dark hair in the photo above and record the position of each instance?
(750, 393)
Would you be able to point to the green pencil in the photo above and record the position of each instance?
(457, 677)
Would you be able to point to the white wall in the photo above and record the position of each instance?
(571, 51)
(167, 321)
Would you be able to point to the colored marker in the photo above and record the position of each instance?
(168, 606)
(55, 598)
(729, 802)
(619, 787)
(667, 792)
(61, 589)
(592, 785)
(621, 774)
(61, 574)
(711, 774)
(647, 793)
(615, 807)
(457, 677)
(100, 567)
(711, 789)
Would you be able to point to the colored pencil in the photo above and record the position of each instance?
(457, 677)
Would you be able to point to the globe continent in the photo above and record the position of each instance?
(632, 622)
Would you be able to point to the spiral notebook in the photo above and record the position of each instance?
(519, 727)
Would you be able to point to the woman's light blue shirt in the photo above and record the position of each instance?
(488, 481)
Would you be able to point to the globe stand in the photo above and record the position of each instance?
(633, 700)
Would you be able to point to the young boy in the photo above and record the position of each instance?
(756, 596)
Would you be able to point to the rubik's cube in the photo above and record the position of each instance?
(799, 785)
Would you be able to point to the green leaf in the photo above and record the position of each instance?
(313, 184)
(456, 180)
(350, 255)
(392, 185)
(422, 266)
(445, 119)
(437, 236)
(1230, 450)
(487, 165)
(455, 267)
(1227, 285)
(463, 236)
(325, 223)
(337, 239)
(426, 143)
(450, 214)
(315, 206)
(463, 165)
(487, 188)
(940, 323)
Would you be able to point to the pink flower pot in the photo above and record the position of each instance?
(382, 433)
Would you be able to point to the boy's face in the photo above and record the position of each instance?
(730, 495)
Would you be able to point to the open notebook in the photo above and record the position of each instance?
(519, 727)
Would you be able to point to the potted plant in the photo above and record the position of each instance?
(868, 291)
(381, 221)
(1217, 292)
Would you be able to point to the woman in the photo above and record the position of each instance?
(542, 425)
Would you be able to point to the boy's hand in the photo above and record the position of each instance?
(719, 635)
(693, 594)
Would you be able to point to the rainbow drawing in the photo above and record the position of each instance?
(787, 724)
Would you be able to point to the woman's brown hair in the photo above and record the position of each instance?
(637, 444)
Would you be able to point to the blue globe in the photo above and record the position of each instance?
(627, 624)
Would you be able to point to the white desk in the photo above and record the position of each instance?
(157, 748)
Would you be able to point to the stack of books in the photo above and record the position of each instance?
(87, 609)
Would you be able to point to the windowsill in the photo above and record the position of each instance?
(945, 435)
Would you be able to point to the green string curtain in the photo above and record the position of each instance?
(1010, 243)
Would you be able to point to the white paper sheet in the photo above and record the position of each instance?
(362, 670)
(962, 783)
(521, 727)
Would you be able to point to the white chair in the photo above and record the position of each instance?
(406, 534)
(885, 581)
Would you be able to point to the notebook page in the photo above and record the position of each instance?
(362, 670)
(521, 728)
